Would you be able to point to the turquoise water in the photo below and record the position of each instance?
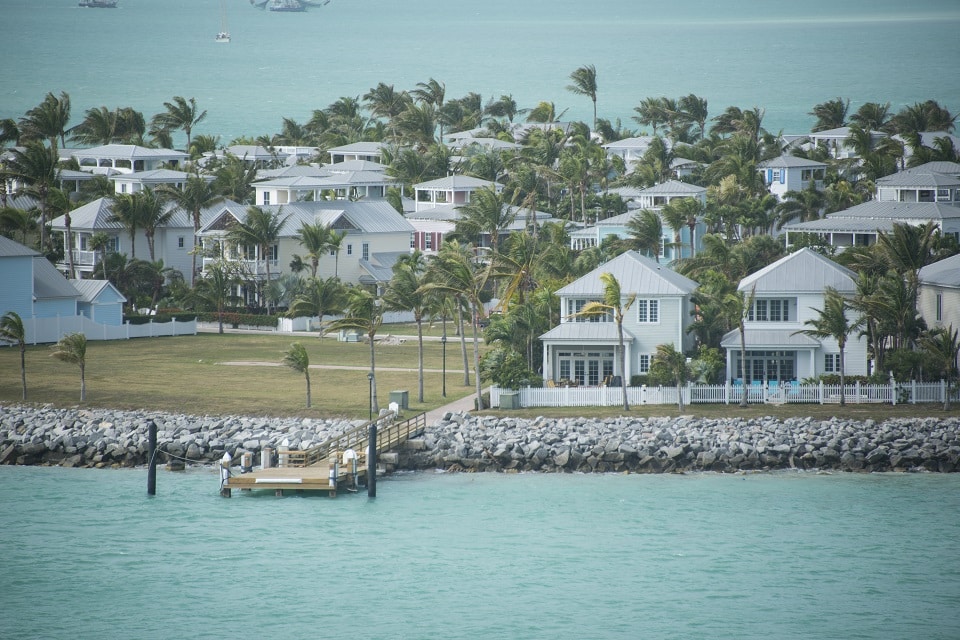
(87, 554)
(782, 56)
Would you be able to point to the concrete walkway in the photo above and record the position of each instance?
(462, 405)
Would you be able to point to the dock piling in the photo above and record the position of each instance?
(152, 453)
(372, 461)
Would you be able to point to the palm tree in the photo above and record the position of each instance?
(319, 298)
(486, 213)
(831, 114)
(315, 238)
(126, 210)
(296, 358)
(615, 304)
(196, 195)
(180, 114)
(805, 205)
(456, 272)
(12, 331)
(405, 292)
(214, 289)
(365, 313)
(36, 166)
(262, 229)
(941, 348)
(832, 322)
(674, 362)
(47, 121)
(737, 307)
(584, 83)
(152, 215)
(72, 348)
(17, 222)
(651, 112)
(693, 110)
(646, 230)
(872, 116)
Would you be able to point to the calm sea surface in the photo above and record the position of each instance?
(779, 55)
(87, 554)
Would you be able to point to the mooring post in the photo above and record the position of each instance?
(152, 453)
(372, 461)
(225, 474)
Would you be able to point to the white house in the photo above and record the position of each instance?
(370, 151)
(584, 350)
(631, 150)
(173, 242)
(335, 184)
(454, 189)
(789, 173)
(786, 294)
(861, 224)
(372, 228)
(938, 299)
(931, 182)
(124, 158)
(837, 141)
(134, 182)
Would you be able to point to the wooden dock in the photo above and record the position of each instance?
(338, 463)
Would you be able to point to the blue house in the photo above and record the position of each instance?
(99, 301)
(31, 286)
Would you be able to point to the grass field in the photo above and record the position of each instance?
(187, 375)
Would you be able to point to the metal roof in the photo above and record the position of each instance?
(945, 273)
(90, 289)
(128, 152)
(673, 187)
(636, 274)
(581, 332)
(768, 338)
(455, 182)
(50, 283)
(12, 249)
(789, 162)
(801, 271)
(918, 178)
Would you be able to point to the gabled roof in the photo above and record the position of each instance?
(90, 290)
(941, 166)
(789, 162)
(380, 267)
(888, 209)
(918, 177)
(801, 271)
(455, 183)
(12, 249)
(292, 171)
(155, 176)
(254, 152)
(366, 216)
(636, 274)
(354, 165)
(50, 283)
(945, 273)
(128, 152)
(96, 215)
(636, 142)
(674, 187)
(364, 148)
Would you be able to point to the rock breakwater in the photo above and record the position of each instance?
(102, 438)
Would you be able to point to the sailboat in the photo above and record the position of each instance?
(224, 35)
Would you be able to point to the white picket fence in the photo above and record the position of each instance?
(49, 330)
(897, 393)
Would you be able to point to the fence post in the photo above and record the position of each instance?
(913, 391)
(726, 391)
(820, 391)
(856, 388)
(943, 390)
(893, 390)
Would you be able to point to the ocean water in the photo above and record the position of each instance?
(87, 554)
(782, 56)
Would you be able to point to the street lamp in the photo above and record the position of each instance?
(443, 341)
(370, 383)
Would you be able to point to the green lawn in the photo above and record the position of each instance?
(184, 374)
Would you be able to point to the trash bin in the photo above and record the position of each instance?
(509, 399)
(401, 397)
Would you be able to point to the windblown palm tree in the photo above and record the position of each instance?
(584, 83)
(320, 297)
(36, 166)
(196, 195)
(180, 114)
(941, 347)
(675, 363)
(832, 322)
(487, 213)
(297, 358)
(215, 289)
(47, 121)
(125, 208)
(831, 114)
(405, 292)
(154, 214)
(12, 331)
(316, 239)
(615, 304)
(262, 229)
(646, 230)
(72, 348)
(364, 312)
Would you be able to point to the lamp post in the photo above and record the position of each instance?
(370, 384)
(443, 341)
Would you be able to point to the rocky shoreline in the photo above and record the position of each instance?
(46, 435)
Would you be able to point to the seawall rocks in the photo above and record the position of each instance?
(463, 442)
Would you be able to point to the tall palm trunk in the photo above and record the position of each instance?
(476, 355)
(68, 244)
(373, 376)
(463, 345)
(623, 365)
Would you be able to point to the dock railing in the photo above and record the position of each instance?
(391, 431)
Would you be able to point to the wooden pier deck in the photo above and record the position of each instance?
(328, 466)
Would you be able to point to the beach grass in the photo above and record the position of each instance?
(190, 374)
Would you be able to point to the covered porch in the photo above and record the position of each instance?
(584, 354)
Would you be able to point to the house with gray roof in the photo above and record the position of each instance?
(584, 350)
(134, 182)
(921, 184)
(124, 158)
(938, 299)
(786, 294)
(861, 224)
(453, 189)
(838, 141)
(100, 301)
(370, 151)
(173, 243)
(371, 227)
(790, 173)
(331, 184)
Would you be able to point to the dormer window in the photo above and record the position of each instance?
(770, 310)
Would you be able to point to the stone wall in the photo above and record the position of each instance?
(102, 438)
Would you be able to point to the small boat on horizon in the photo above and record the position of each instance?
(224, 35)
(259, 4)
(286, 5)
(99, 4)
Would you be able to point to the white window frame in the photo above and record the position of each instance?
(831, 363)
(648, 310)
(643, 363)
(266, 197)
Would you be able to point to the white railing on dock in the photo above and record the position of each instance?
(770, 393)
